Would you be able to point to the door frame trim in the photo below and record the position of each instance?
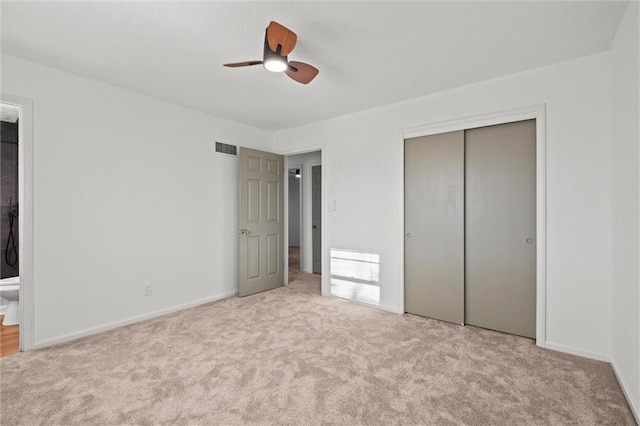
(25, 225)
(326, 284)
(537, 112)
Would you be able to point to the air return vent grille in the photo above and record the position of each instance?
(226, 148)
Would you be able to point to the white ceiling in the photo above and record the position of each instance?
(369, 54)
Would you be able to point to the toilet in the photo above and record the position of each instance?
(9, 292)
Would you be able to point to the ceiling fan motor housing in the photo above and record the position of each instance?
(274, 61)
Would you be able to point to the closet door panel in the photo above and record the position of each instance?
(500, 226)
(434, 226)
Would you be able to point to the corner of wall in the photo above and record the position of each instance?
(625, 205)
(633, 404)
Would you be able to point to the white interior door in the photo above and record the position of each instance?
(261, 221)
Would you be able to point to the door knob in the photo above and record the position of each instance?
(409, 235)
(529, 240)
(243, 232)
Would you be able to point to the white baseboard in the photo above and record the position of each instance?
(393, 309)
(369, 305)
(579, 352)
(93, 330)
(600, 357)
(625, 391)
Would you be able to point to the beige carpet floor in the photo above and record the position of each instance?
(290, 356)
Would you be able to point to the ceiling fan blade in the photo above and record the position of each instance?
(243, 64)
(301, 72)
(280, 35)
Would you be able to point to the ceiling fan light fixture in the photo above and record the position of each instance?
(279, 41)
(275, 64)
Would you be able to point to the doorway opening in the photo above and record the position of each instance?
(16, 223)
(294, 178)
(9, 229)
(304, 210)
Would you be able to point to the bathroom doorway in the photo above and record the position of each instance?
(16, 225)
(9, 228)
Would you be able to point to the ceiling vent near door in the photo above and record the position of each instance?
(226, 148)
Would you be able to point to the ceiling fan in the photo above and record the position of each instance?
(278, 43)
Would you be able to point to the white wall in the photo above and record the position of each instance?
(127, 190)
(625, 187)
(306, 161)
(294, 210)
(363, 165)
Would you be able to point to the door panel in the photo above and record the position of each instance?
(273, 198)
(253, 200)
(434, 226)
(253, 164)
(316, 208)
(272, 254)
(500, 222)
(260, 220)
(272, 166)
(253, 256)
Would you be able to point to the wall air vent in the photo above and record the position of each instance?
(226, 148)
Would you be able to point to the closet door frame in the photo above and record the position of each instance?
(536, 112)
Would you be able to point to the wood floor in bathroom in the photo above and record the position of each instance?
(9, 339)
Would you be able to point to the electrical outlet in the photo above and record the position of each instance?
(147, 289)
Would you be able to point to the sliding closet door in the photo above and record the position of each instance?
(500, 225)
(434, 226)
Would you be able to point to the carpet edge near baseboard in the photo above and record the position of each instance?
(131, 320)
(625, 391)
(600, 357)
